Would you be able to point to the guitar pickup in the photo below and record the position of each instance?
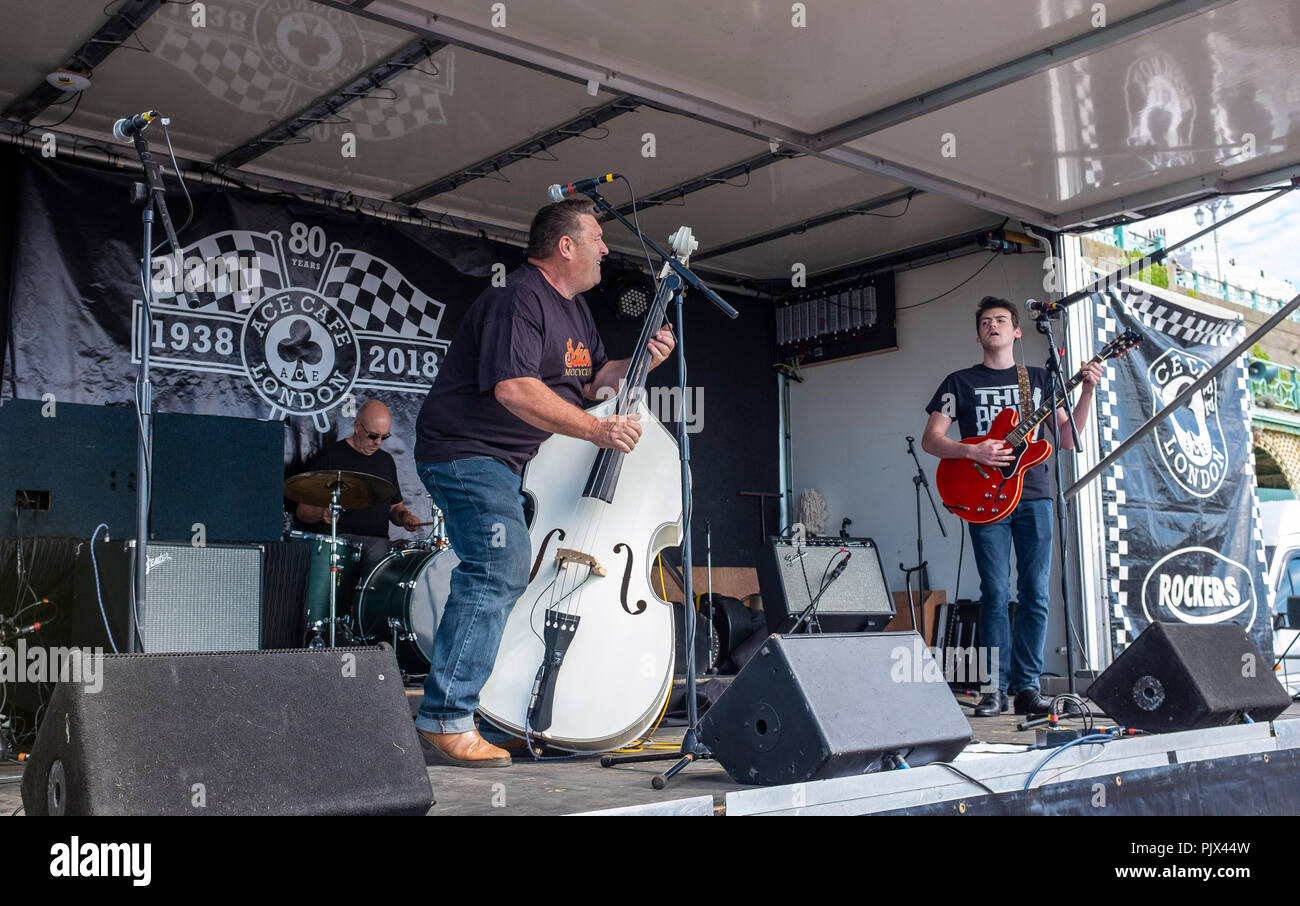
(566, 555)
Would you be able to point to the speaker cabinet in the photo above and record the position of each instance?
(790, 575)
(808, 707)
(199, 598)
(1183, 676)
(309, 732)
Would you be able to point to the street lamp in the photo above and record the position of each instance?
(1199, 216)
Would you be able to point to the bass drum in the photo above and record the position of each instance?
(402, 601)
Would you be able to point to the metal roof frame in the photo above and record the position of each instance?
(542, 141)
(810, 223)
(1023, 67)
(707, 180)
(506, 47)
(322, 109)
(120, 26)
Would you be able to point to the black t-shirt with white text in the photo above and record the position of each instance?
(974, 396)
(523, 329)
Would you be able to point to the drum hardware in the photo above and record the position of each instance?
(337, 490)
(400, 630)
(401, 602)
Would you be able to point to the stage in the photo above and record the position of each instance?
(1226, 770)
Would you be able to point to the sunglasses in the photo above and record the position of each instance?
(373, 436)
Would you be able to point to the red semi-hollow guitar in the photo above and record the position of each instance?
(984, 494)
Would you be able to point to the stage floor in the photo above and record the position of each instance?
(565, 787)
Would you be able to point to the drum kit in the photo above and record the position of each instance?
(399, 602)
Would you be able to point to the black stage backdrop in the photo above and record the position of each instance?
(1182, 523)
(298, 312)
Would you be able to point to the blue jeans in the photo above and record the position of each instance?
(1029, 527)
(483, 508)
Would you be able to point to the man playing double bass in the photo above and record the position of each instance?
(521, 364)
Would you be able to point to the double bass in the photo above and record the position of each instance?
(586, 657)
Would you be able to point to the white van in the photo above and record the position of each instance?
(1280, 522)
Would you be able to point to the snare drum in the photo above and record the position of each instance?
(402, 601)
(318, 577)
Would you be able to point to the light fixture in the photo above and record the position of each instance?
(1199, 216)
(67, 80)
(632, 295)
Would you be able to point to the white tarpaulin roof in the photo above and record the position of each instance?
(904, 122)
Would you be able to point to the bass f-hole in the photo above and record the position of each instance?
(627, 577)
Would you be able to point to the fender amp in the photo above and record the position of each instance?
(790, 574)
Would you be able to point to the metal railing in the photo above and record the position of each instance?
(1273, 386)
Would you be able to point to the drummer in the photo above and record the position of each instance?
(360, 452)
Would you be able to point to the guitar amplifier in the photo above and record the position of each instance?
(199, 598)
(790, 574)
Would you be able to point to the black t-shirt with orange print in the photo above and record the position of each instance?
(522, 329)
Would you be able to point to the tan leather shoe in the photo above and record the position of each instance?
(466, 750)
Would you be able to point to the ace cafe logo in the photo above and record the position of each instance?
(1191, 439)
(1198, 585)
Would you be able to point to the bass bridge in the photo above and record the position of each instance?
(566, 555)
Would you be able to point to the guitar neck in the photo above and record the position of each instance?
(1026, 427)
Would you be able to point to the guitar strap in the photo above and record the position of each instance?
(1026, 393)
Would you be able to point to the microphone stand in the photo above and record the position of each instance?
(149, 195)
(692, 748)
(1044, 324)
(923, 579)
(810, 612)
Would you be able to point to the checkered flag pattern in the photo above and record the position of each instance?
(1112, 492)
(227, 68)
(226, 271)
(1091, 167)
(373, 295)
(1180, 323)
(418, 104)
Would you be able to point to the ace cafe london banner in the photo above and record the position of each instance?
(1182, 523)
(278, 308)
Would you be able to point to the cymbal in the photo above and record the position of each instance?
(356, 489)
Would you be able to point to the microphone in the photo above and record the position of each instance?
(558, 192)
(1037, 308)
(127, 128)
(839, 568)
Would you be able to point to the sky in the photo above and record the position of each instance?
(1267, 239)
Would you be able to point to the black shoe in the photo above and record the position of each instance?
(1031, 701)
(991, 704)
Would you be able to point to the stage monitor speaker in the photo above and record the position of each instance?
(199, 598)
(307, 732)
(808, 707)
(1182, 676)
(790, 574)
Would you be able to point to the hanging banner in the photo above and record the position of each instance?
(1182, 525)
(273, 308)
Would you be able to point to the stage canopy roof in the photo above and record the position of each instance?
(828, 132)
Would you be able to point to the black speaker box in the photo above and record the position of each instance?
(1182, 676)
(790, 574)
(808, 707)
(309, 732)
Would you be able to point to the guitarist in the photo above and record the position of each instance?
(973, 396)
